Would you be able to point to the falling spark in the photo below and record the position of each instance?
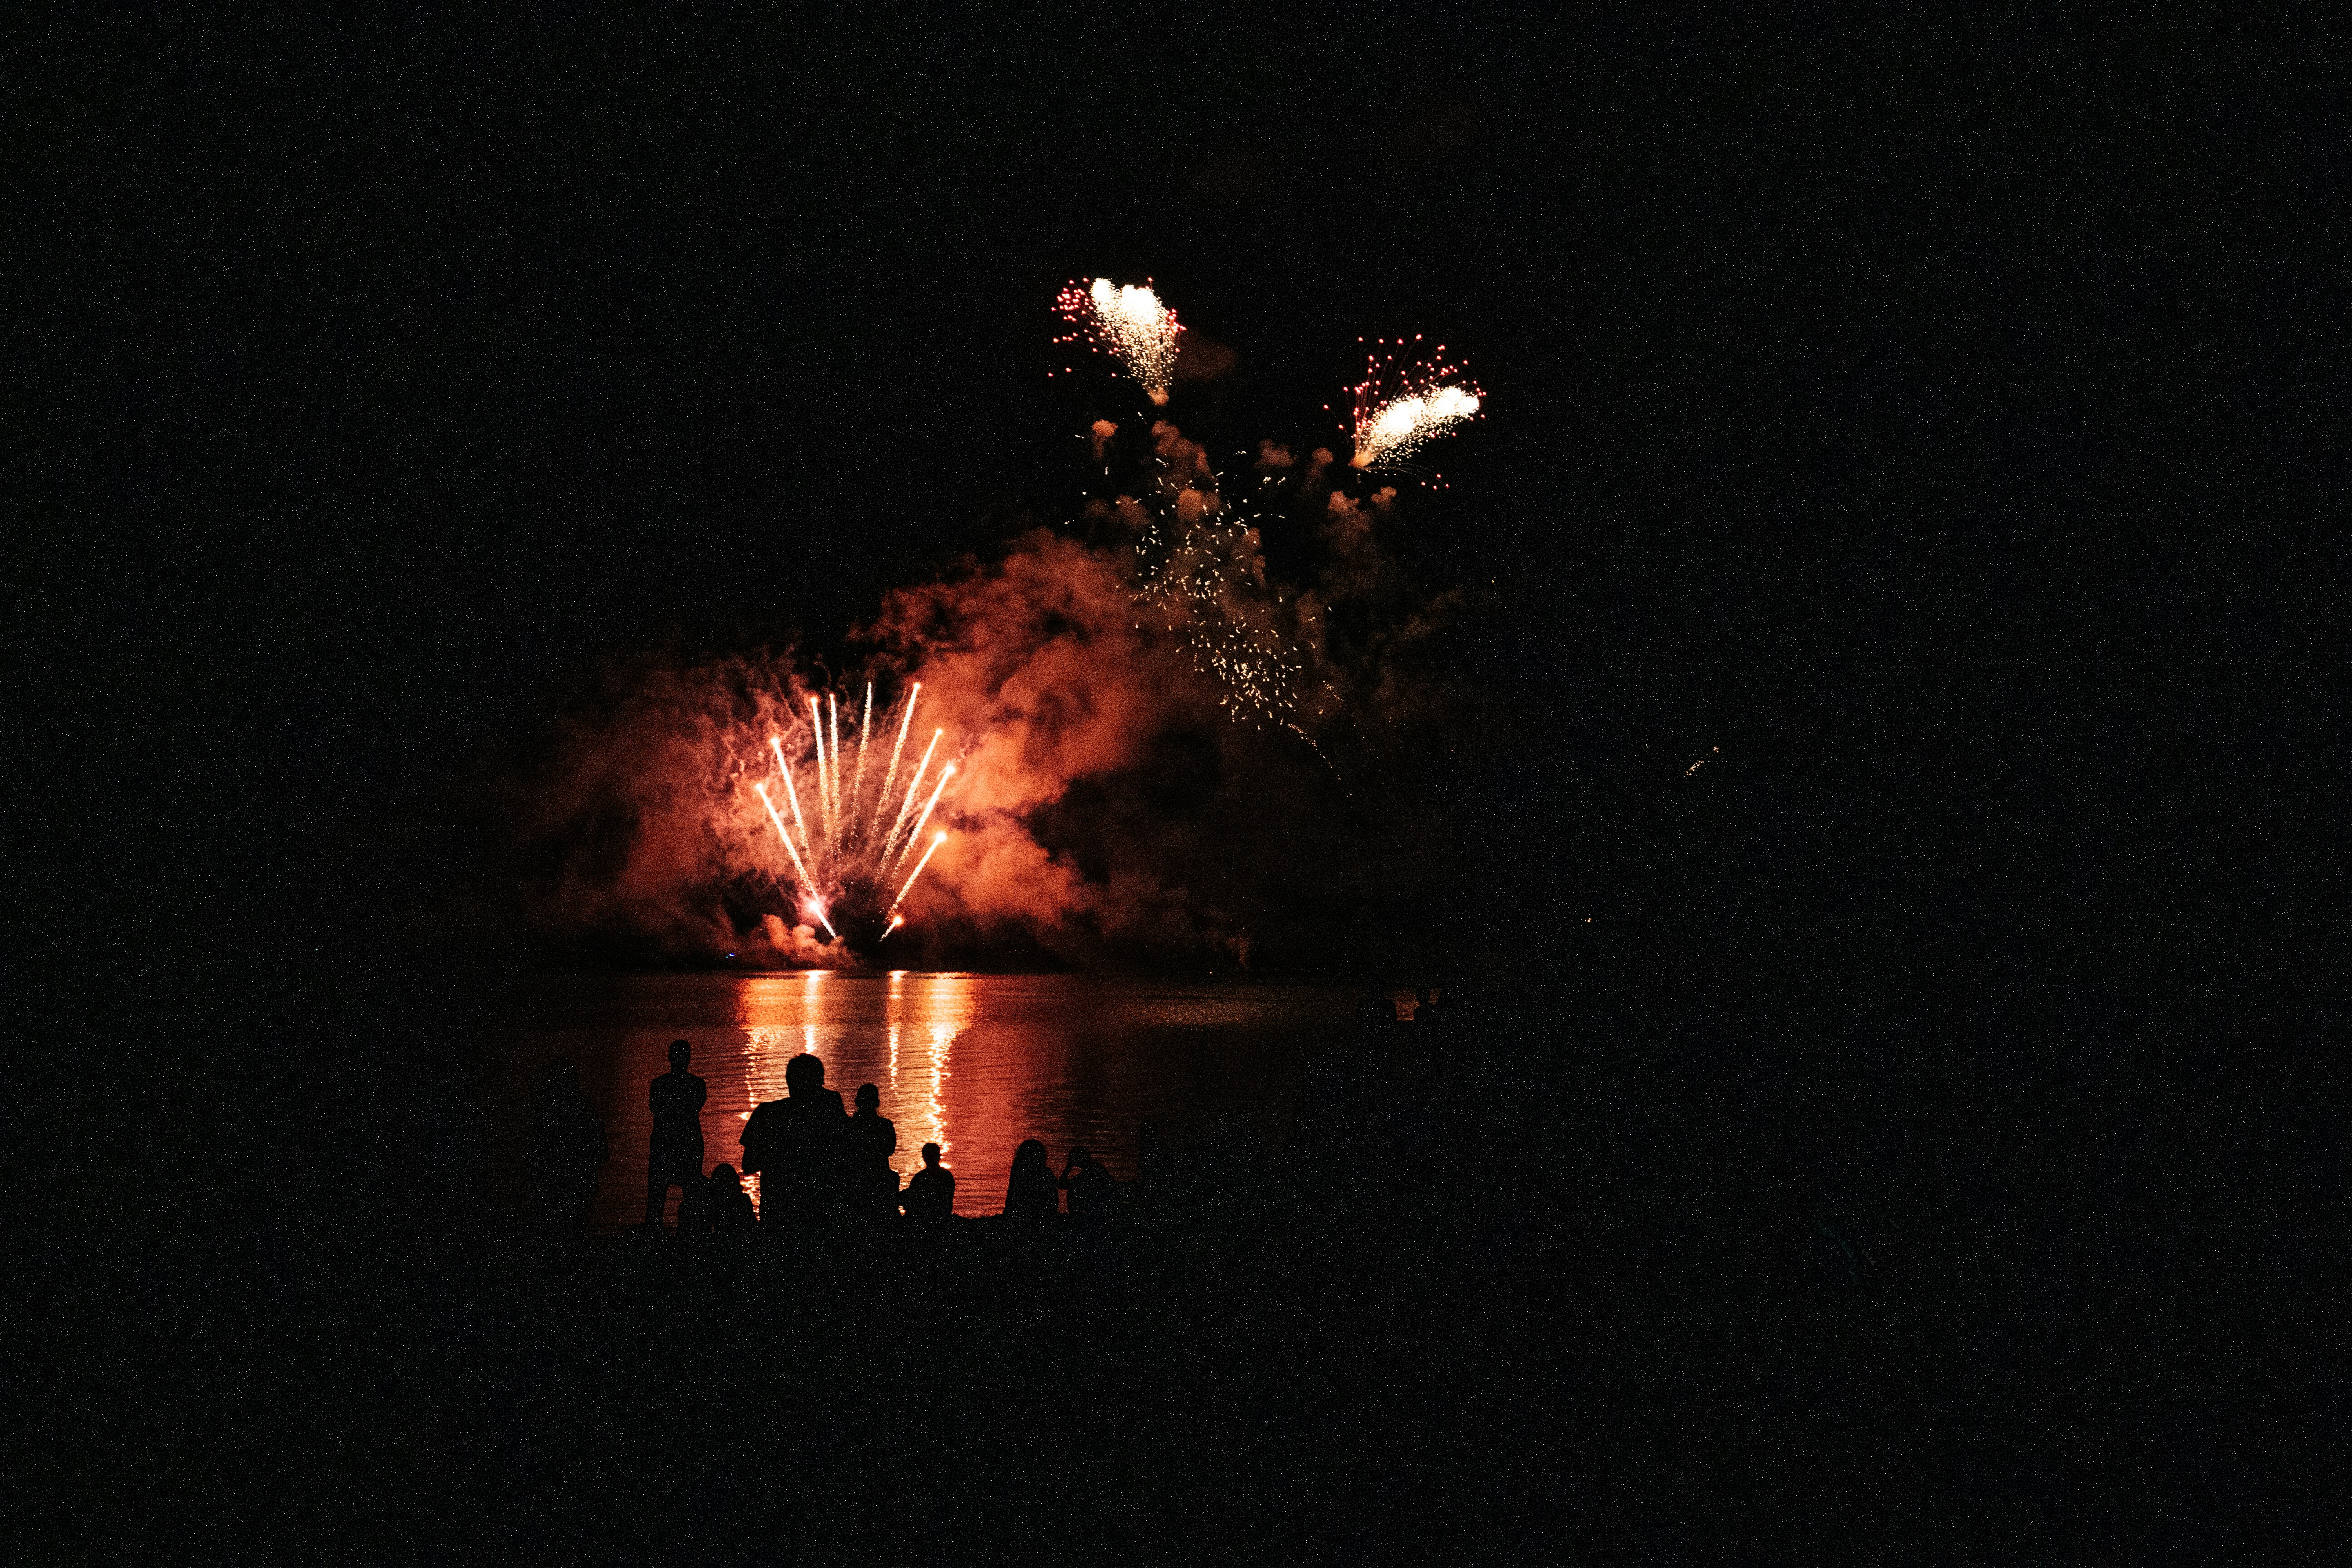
(937, 839)
(1403, 404)
(1127, 322)
(882, 801)
(895, 921)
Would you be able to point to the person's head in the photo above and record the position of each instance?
(1079, 1157)
(724, 1177)
(868, 1098)
(931, 1154)
(680, 1053)
(1031, 1153)
(804, 1074)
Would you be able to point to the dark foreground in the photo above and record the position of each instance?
(1759, 1304)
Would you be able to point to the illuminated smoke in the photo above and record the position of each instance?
(1129, 323)
(1402, 403)
(1070, 682)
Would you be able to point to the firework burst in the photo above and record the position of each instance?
(1403, 402)
(848, 865)
(1129, 323)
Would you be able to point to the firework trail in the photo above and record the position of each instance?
(907, 810)
(905, 719)
(945, 774)
(1129, 323)
(801, 871)
(824, 804)
(791, 794)
(857, 780)
(1402, 403)
(937, 839)
(832, 758)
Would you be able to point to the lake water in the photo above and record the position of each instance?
(974, 1063)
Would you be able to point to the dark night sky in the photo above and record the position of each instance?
(1894, 405)
(1920, 412)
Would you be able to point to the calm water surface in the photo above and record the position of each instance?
(974, 1063)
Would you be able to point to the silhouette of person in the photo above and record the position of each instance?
(567, 1145)
(795, 1146)
(1031, 1194)
(674, 1156)
(1093, 1193)
(872, 1140)
(726, 1206)
(930, 1192)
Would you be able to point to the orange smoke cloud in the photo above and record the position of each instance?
(1103, 796)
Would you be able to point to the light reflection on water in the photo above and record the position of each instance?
(972, 1062)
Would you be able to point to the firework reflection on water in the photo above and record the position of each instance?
(974, 1063)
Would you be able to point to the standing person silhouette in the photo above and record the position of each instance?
(1031, 1194)
(930, 1192)
(873, 1139)
(674, 1156)
(796, 1146)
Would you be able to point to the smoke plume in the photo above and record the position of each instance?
(1162, 749)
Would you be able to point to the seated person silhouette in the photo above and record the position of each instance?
(694, 1209)
(723, 1207)
(1093, 1193)
(795, 1145)
(674, 1157)
(930, 1192)
(873, 1139)
(1032, 1196)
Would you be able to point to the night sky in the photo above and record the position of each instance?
(1907, 418)
(1858, 393)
